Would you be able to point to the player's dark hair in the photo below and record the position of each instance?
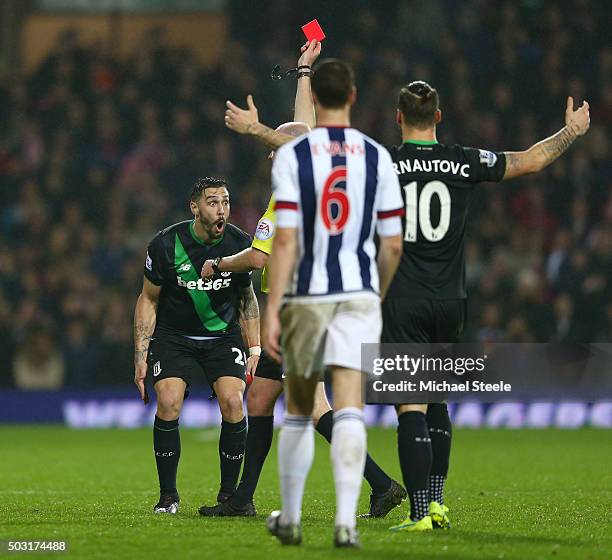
(206, 183)
(332, 82)
(418, 103)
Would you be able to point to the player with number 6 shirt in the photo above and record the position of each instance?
(267, 385)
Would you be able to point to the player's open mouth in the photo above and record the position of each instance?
(220, 226)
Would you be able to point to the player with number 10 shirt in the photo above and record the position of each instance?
(437, 185)
(426, 301)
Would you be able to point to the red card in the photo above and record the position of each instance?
(313, 30)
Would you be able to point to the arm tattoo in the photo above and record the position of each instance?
(249, 308)
(513, 162)
(539, 155)
(143, 333)
(271, 138)
(553, 147)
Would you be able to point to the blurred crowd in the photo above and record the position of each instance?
(97, 153)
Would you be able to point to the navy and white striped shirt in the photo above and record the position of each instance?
(334, 185)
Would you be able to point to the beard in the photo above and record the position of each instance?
(213, 228)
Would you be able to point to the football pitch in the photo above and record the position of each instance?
(513, 494)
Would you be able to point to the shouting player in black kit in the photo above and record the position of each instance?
(426, 301)
(186, 328)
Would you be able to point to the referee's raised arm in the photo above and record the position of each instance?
(246, 121)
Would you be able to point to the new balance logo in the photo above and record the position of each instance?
(184, 268)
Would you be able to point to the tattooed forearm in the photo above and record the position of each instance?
(539, 155)
(140, 355)
(143, 332)
(514, 162)
(249, 308)
(249, 317)
(551, 148)
(271, 138)
(145, 318)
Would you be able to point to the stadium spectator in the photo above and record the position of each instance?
(38, 364)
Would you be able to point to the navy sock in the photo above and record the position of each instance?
(231, 451)
(167, 447)
(414, 447)
(258, 442)
(440, 432)
(376, 477)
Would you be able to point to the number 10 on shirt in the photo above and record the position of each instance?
(422, 217)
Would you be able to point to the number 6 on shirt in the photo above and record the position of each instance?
(333, 196)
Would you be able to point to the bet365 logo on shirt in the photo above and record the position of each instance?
(204, 285)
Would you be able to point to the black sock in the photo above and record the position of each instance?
(167, 446)
(414, 447)
(376, 477)
(231, 452)
(440, 432)
(258, 442)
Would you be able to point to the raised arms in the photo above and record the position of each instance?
(546, 151)
(304, 110)
(246, 121)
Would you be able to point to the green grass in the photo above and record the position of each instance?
(513, 494)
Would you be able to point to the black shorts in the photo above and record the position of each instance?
(412, 320)
(179, 356)
(268, 368)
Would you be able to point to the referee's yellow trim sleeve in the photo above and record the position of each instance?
(264, 235)
(264, 246)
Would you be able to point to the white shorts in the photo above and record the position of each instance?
(317, 335)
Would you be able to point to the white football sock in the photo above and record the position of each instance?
(348, 455)
(295, 455)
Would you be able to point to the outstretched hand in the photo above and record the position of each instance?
(577, 121)
(241, 120)
(310, 52)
